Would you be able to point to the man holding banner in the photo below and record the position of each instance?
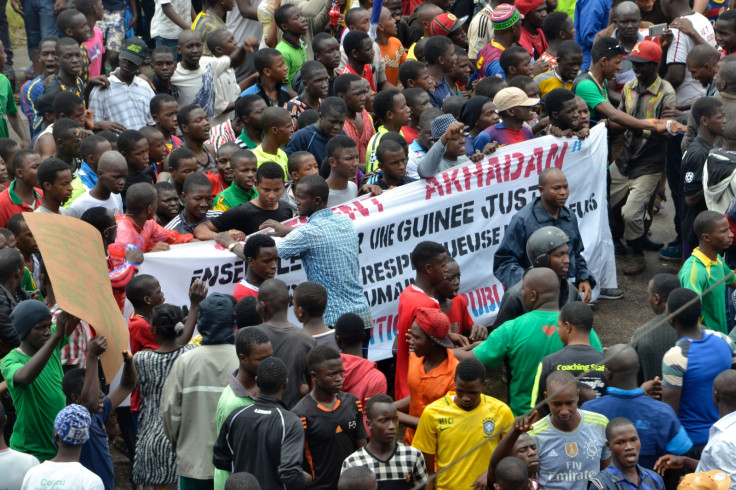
(328, 247)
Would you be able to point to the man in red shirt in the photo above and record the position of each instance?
(429, 259)
(532, 37)
(23, 193)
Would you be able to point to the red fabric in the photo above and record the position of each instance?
(535, 44)
(367, 74)
(410, 6)
(119, 279)
(363, 138)
(244, 290)
(144, 238)
(141, 338)
(218, 185)
(410, 134)
(411, 298)
(460, 320)
(362, 378)
(8, 209)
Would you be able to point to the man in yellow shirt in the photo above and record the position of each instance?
(461, 420)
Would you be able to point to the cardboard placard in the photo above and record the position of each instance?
(73, 253)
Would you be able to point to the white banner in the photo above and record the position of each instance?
(467, 208)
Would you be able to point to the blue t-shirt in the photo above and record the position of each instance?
(442, 91)
(659, 428)
(96, 451)
(691, 366)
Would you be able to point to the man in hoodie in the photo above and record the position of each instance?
(193, 388)
(719, 173)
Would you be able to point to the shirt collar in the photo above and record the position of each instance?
(618, 475)
(15, 199)
(654, 88)
(542, 215)
(726, 421)
(322, 213)
(611, 390)
(704, 258)
(238, 388)
(241, 194)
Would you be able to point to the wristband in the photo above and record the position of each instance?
(669, 127)
(231, 246)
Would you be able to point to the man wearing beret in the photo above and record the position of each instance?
(33, 374)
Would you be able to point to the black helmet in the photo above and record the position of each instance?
(542, 242)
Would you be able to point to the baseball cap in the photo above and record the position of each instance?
(526, 6)
(435, 324)
(444, 24)
(512, 97)
(710, 480)
(135, 50)
(72, 424)
(645, 52)
(504, 17)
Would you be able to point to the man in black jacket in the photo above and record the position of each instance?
(265, 438)
(11, 275)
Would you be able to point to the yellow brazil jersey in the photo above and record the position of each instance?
(448, 431)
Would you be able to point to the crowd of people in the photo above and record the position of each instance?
(221, 120)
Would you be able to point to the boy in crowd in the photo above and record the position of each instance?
(163, 63)
(392, 161)
(33, 375)
(418, 101)
(515, 109)
(91, 151)
(310, 301)
(11, 293)
(358, 123)
(197, 199)
(289, 342)
(73, 23)
(421, 145)
(557, 27)
(168, 203)
(243, 178)
(277, 430)
(67, 135)
(55, 179)
(415, 74)
(442, 434)
(252, 133)
(515, 61)
(327, 51)
(395, 464)
(342, 156)
(195, 76)
(455, 306)
(441, 60)
(325, 445)
(361, 376)
(144, 293)
(227, 90)
(27, 246)
(392, 51)
(391, 108)
(449, 147)
(181, 163)
(164, 109)
(579, 432)
(532, 37)
(261, 260)
(314, 138)
(431, 366)
(33, 89)
(358, 47)
(23, 194)
(272, 73)
(156, 148)
(578, 357)
(252, 347)
(71, 428)
(314, 90)
(293, 25)
(277, 131)
(705, 268)
(506, 21)
(138, 227)
(194, 125)
(566, 68)
(134, 148)
(112, 173)
(710, 116)
(301, 164)
(249, 216)
(82, 386)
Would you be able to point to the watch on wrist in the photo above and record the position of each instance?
(231, 246)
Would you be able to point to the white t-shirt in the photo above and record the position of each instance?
(681, 46)
(241, 27)
(86, 201)
(13, 466)
(61, 476)
(198, 86)
(162, 26)
(339, 197)
(226, 91)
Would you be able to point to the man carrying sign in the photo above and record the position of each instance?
(328, 247)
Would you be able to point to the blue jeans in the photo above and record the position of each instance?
(40, 20)
(169, 43)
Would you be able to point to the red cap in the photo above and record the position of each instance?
(435, 324)
(526, 6)
(645, 52)
(444, 24)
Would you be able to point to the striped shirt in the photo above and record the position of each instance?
(125, 104)
(181, 225)
(480, 31)
(75, 352)
(29, 92)
(567, 460)
(221, 134)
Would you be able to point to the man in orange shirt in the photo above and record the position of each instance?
(392, 51)
(431, 366)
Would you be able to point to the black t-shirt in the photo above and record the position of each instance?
(693, 162)
(575, 359)
(721, 164)
(330, 436)
(247, 217)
